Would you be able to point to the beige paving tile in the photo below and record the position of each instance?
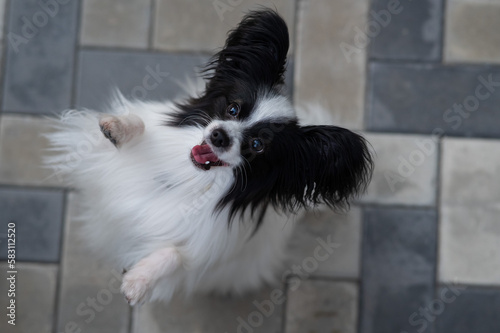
(258, 312)
(35, 294)
(22, 148)
(405, 170)
(469, 232)
(117, 23)
(471, 31)
(469, 245)
(342, 233)
(322, 306)
(323, 74)
(90, 298)
(190, 25)
(469, 170)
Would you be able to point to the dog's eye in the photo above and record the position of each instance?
(233, 110)
(257, 145)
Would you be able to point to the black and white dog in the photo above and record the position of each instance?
(199, 195)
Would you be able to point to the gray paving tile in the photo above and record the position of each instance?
(405, 30)
(118, 23)
(190, 25)
(324, 75)
(477, 40)
(38, 217)
(318, 228)
(35, 298)
(466, 311)
(322, 306)
(40, 49)
(399, 255)
(22, 148)
(405, 170)
(146, 76)
(423, 98)
(256, 312)
(90, 300)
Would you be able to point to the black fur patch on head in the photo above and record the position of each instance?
(253, 60)
(300, 167)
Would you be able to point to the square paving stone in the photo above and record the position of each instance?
(405, 170)
(324, 74)
(406, 29)
(469, 244)
(37, 214)
(22, 149)
(40, 56)
(90, 300)
(343, 231)
(116, 23)
(471, 33)
(398, 267)
(469, 169)
(322, 306)
(35, 298)
(472, 310)
(434, 99)
(191, 25)
(141, 75)
(258, 312)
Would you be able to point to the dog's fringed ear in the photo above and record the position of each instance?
(326, 164)
(255, 51)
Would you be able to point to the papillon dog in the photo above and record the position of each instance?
(200, 195)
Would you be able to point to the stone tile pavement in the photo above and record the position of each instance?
(420, 252)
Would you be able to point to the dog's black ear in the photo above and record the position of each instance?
(302, 167)
(325, 164)
(255, 51)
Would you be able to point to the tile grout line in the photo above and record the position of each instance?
(152, 23)
(57, 295)
(442, 22)
(76, 55)
(438, 220)
(284, 306)
(360, 282)
(3, 64)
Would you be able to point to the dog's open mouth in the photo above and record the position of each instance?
(204, 158)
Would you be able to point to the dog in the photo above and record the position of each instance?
(200, 195)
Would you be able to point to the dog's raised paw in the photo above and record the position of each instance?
(112, 129)
(136, 287)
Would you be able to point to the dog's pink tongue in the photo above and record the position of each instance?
(203, 153)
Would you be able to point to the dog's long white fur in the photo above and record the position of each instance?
(149, 210)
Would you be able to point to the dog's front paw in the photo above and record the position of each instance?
(112, 128)
(136, 286)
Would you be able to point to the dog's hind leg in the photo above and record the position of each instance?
(121, 129)
(140, 280)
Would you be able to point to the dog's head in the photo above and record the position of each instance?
(251, 130)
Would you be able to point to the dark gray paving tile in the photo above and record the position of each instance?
(398, 267)
(410, 30)
(38, 215)
(423, 98)
(40, 55)
(142, 75)
(466, 311)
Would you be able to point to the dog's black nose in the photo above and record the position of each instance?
(219, 138)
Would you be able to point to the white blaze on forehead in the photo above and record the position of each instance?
(270, 108)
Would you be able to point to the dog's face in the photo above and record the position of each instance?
(251, 129)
